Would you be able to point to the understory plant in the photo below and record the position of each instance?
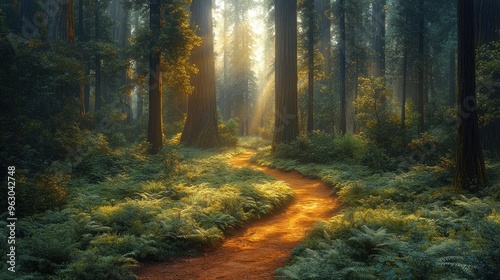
(176, 203)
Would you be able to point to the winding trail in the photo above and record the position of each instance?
(262, 247)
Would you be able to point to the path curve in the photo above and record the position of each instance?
(265, 245)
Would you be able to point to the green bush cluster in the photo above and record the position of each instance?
(175, 203)
(228, 132)
(320, 147)
(407, 224)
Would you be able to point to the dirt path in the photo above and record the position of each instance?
(265, 245)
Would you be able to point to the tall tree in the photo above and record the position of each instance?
(310, 42)
(200, 129)
(470, 170)
(286, 127)
(453, 81)
(378, 21)
(97, 59)
(155, 123)
(487, 27)
(342, 65)
(421, 35)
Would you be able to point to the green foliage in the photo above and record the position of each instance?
(380, 121)
(228, 132)
(175, 203)
(43, 192)
(410, 224)
(320, 147)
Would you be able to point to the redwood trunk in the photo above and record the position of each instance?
(470, 170)
(200, 129)
(286, 127)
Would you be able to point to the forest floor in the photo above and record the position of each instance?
(263, 246)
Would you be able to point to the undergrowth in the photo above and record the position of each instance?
(405, 224)
(179, 202)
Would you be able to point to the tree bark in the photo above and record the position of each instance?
(487, 23)
(421, 93)
(470, 170)
(200, 129)
(453, 79)
(286, 127)
(310, 74)
(342, 65)
(97, 60)
(155, 122)
(378, 19)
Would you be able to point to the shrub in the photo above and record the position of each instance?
(42, 192)
(228, 132)
(377, 158)
(320, 147)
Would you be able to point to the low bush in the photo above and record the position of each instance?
(320, 147)
(404, 224)
(228, 132)
(176, 203)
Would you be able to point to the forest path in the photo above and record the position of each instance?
(264, 245)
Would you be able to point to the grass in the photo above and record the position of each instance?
(397, 225)
(177, 203)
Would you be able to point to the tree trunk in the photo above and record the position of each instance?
(310, 74)
(200, 129)
(487, 24)
(97, 60)
(403, 96)
(70, 22)
(453, 79)
(155, 122)
(378, 19)
(421, 93)
(487, 21)
(342, 65)
(470, 170)
(286, 126)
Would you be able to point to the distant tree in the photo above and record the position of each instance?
(421, 93)
(378, 44)
(342, 65)
(97, 59)
(200, 129)
(470, 170)
(155, 123)
(308, 12)
(286, 127)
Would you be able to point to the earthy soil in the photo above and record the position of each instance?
(256, 251)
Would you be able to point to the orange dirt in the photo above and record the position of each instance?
(255, 252)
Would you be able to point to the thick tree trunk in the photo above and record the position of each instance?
(286, 127)
(487, 21)
(342, 65)
(155, 122)
(470, 170)
(200, 129)
(487, 24)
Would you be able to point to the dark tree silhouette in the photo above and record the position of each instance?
(470, 170)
